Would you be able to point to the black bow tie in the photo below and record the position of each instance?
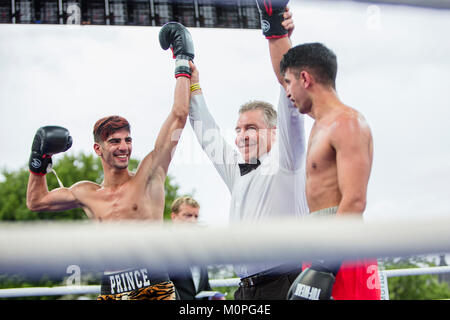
(248, 167)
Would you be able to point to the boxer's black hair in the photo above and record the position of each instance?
(314, 58)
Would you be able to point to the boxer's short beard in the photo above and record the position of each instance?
(124, 166)
(112, 161)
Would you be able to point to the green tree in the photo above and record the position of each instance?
(70, 169)
(423, 287)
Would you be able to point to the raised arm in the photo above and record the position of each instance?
(290, 123)
(156, 164)
(277, 26)
(278, 47)
(48, 141)
(222, 155)
(170, 132)
(41, 200)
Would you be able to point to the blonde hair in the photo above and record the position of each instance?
(270, 114)
(176, 204)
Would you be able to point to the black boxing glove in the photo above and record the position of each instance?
(271, 13)
(314, 283)
(175, 36)
(48, 141)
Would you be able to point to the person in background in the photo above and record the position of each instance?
(191, 281)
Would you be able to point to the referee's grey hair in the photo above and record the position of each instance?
(270, 114)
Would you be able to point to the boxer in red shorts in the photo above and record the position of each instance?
(353, 280)
(338, 165)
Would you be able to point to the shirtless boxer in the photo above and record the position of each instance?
(123, 195)
(338, 165)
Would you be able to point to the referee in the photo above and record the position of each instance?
(266, 177)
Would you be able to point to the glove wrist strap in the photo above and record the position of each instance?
(182, 68)
(40, 164)
(271, 25)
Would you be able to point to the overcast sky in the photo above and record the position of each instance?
(394, 67)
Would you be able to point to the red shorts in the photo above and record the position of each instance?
(357, 281)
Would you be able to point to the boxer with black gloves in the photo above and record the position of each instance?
(48, 141)
(315, 282)
(175, 36)
(338, 166)
(272, 17)
(123, 195)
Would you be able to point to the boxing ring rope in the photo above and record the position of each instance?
(35, 249)
(115, 246)
(88, 289)
(416, 271)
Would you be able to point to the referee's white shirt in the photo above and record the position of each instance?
(276, 189)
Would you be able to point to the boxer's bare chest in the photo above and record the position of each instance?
(123, 203)
(320, 155)
(321, 170)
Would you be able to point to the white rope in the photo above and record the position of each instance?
(416, 271)
(54, 246)
(88, 289)
(231, 282)
(57, 178)
(48, 291)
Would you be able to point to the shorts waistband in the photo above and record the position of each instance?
(129, 280)
(268, 275)
(325, 212)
